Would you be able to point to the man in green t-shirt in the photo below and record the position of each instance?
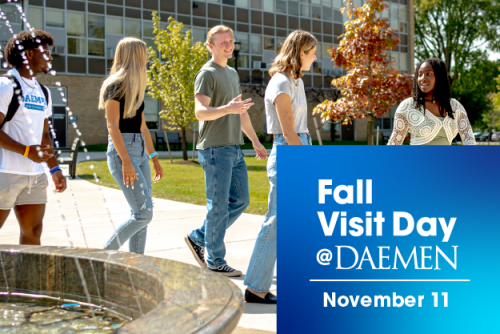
(223, 116)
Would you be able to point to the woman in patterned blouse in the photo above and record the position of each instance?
(431, 115)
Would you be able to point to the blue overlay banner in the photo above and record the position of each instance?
(388, 239)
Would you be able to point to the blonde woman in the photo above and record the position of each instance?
(130, 144)
(286, 113)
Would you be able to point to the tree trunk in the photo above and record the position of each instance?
(332, 132)
(184, 145)
(369, 130)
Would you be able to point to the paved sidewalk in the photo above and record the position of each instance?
(88, 212)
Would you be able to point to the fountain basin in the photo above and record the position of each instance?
(161, 296)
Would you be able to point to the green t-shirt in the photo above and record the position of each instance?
(221, 84)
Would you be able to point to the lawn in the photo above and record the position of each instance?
(268, 145)
(185, 182)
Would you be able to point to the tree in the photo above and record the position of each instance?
(491, 117)
(371, 87)
(171, 77)
(472, 88)
(455, 31)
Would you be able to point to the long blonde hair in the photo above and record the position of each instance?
(129, 74)
(288, 59)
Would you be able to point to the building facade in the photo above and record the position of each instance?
(86, 33)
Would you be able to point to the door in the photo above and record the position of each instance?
(59, 123)
(348, 131)
(59, 117)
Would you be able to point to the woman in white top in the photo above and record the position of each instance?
(286, 113)
(431, 115)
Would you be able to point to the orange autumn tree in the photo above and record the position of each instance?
(371, 87)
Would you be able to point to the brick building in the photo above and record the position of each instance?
(87, 32)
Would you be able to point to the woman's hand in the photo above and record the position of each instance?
(129, 175)
(158, 170)
(260, 150)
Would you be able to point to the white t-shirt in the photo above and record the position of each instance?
(26, 127)
(283, 84)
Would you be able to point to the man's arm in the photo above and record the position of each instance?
(57, 176)
(7, 143)
(204, 112)
(247, 128)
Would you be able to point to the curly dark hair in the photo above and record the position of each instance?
(29, 40)
(442, 90)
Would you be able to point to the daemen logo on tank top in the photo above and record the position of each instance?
(30, 100)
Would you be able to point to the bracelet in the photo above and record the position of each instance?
(26, 151)
(54, 169)
(154, 154)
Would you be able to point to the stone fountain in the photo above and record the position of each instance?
(159, 295)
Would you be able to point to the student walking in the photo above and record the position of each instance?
(286, 113)
(431, 115)
(130, 144)
(25, 108)
(222, 115)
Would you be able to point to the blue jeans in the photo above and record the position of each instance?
(226, 182)
(139, 199)
(261, 268)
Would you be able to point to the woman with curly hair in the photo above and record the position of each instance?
(286, 113)
(431, 115)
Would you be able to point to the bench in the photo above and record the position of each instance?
(174, 139)
(72, 159)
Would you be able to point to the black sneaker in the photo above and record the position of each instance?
(198, 252)
(252, 298)
(226, 271)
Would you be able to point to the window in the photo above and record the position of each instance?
(96, 26)
(54, 18)
(96, 48)
(305, 10)
(114, 25)
(243, 38)
(242, 61)
(293, 7)
(256, 44)
(148, 29)
(76, 46)
(269, 5)
(269, 43)
(76, 24)
(241, 3)
(133, 28)
(403, 62)
(35, 16)
(151, 112)
(403, 13)
(384, 123)
(199, 35)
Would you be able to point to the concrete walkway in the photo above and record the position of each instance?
(88, 213)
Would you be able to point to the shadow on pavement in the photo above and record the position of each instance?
(254, 308)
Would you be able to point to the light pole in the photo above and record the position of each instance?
(236, 51)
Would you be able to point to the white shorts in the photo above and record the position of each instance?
(16, 189)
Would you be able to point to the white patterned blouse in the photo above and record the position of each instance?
(424, 128)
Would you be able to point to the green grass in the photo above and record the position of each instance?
(268, 145)
(186, 183)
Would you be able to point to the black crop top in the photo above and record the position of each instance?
(128, 125)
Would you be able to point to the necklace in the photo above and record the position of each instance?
(430, 100)
(28, 83)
